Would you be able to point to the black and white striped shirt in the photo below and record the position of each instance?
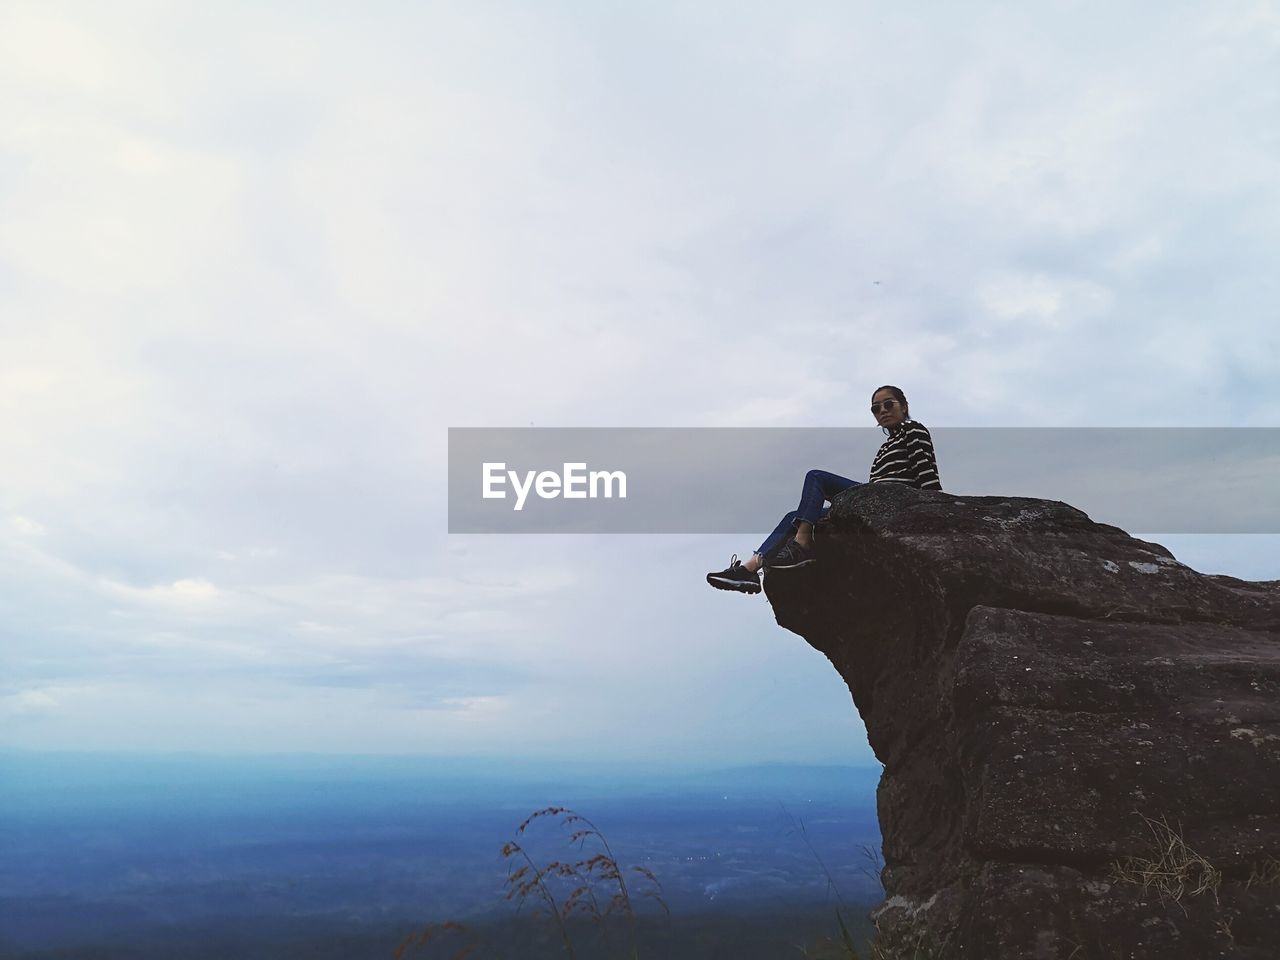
(907, 457)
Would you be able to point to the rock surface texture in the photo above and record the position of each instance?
(1063, 712)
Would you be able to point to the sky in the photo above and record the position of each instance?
(256, 259)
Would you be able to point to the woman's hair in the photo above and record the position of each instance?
(897, 392)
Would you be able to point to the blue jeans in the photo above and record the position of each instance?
(819, 487)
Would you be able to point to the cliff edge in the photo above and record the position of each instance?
(1081, 735)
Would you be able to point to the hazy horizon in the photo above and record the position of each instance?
(136, 857)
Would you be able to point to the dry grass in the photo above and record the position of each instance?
(919, 944)
(1265, 874)
(924, 945)
(828, 948)
(594, 886)
(441, 937)
(1174, 871)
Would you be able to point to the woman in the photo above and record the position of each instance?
(905, 457)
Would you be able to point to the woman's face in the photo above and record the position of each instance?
(887, 409)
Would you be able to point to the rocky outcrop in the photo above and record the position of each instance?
(1063, 712)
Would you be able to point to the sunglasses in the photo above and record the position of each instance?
(886, 404)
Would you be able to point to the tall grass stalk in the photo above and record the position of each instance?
(846, 944)
(600, 870)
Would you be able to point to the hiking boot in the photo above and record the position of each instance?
(735, 577)
(792, 556)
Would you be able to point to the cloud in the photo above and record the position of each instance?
(186, 594)
(27, 527)
(475, 705)
(26, 702)
(254, 265)
(1040, 300)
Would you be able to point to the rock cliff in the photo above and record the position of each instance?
(1081, 735)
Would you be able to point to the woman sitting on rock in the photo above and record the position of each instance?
(905, 457)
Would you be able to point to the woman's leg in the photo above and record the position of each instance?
(819, 488)
(781, 533)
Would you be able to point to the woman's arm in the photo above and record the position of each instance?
(920, 456)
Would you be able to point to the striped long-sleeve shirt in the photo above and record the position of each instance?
(907, 457)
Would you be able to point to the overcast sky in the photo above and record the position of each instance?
(255, 259)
